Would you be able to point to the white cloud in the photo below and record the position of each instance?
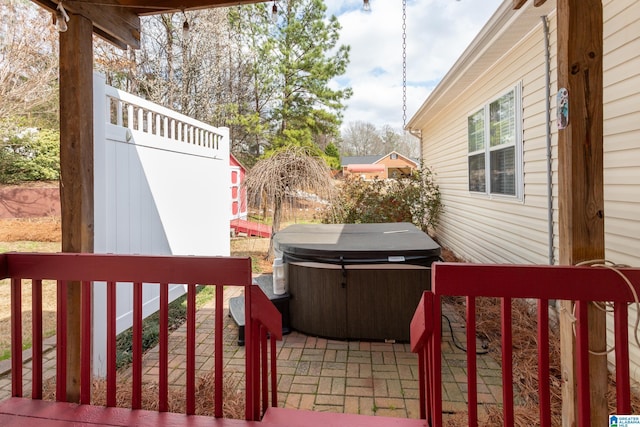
(438, 31)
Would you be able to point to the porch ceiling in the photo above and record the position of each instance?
(118, 21)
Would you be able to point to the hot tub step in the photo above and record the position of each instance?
(236, 306)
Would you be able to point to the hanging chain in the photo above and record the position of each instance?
(404, 63)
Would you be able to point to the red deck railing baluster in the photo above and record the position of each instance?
(85, 343)
(507, 362)
(191, 349)
(472, 372)
(423, 391)
(544, 394)
(436, 363)
(428, 381)
(163, 359)
(623, 386)
(219, 351)
(256, 369)
(136, 364)
(265, 370)
(36, 327)
(250, 410)
(582, 350)
(16, 337)
(61, 343)
(274, 378)
(111, 344)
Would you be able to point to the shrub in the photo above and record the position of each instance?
(414, 199)
(30, 155)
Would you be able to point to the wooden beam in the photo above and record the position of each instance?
(118, 25)
(76, 170)
(581, 200)
(517, 4)
(167, 6)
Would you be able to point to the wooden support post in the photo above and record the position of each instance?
(581, 200)
(76, 170)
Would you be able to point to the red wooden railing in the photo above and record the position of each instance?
(542, 283)
(263, 321)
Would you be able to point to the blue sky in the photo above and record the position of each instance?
(438, 31)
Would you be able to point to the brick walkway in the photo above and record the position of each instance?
(371, 378)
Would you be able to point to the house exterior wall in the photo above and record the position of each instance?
(494, 229)
(399, 163)
(507, 230)
(621, 69)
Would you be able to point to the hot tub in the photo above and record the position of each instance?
(355, 281)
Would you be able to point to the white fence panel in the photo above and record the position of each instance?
(161, 187)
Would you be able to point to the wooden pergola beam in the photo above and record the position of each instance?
(76, 170)
(581, 189)
(517, 4)
(118, 25)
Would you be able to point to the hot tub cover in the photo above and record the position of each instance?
(347, 244)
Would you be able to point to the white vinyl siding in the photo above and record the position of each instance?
(621, 81)
(501, 228)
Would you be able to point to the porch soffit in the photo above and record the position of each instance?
(118, 21)
(502, 33)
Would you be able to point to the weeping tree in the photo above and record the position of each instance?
(286, 171)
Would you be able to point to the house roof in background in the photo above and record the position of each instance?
(367, 160)
(360, 160)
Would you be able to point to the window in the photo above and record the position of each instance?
(494, 146)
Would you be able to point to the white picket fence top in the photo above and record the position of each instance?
(129, 111)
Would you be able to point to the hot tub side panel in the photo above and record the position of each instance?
(373, 304)
(317, 302)
(381, 303)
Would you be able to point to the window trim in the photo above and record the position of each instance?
(487, 149)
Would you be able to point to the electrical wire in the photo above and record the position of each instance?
(484, 345)
(607, 307)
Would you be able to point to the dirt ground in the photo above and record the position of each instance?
(30, 229)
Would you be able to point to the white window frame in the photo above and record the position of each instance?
(487, 149)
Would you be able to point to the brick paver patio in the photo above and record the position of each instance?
(372, 378)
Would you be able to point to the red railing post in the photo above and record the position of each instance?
(543, 363)
(111, 344)
(219, 351)
(249, 355)
(623, 384)
(16, 337)
(136, 364)
(36, 342)
(86, 330)
(507, 362)
(61, 343)
(191, 349)
(436, 362)
(472, 372)
(163, 357)
(582, 350)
